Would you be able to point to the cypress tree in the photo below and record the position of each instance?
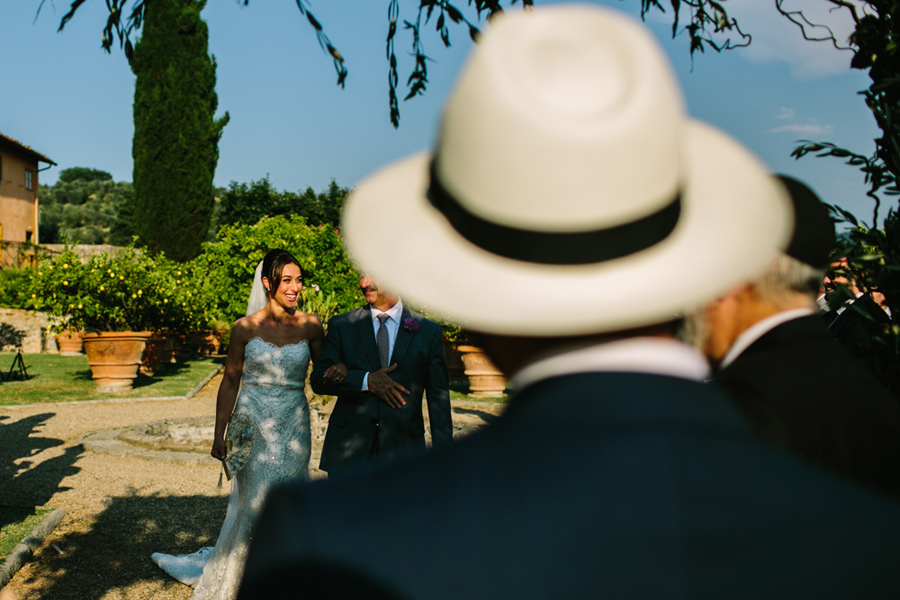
(176, 135)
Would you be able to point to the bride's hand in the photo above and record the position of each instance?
(335, 373)
(218, 449)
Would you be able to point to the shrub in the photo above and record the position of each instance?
(126, 291)
(225, 269)
(14, 285)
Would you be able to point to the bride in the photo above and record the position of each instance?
(268, 356)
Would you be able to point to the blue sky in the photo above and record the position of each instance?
(68, 99)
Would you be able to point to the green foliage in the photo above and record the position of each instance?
(126, 291)
(708, 24)
(176, 136)
(83, 174)
(872, 252)
(224, 271)
(323, 305)
(85, 206)
(246, 204)
(14, 287)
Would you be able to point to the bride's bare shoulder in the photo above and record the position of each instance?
(305, 320)
(245, 327)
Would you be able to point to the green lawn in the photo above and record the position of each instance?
(56, 378)
(15, 523)
(459, 390)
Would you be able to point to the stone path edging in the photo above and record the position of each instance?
(29, 544)
(206, 380)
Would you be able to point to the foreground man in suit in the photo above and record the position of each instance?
(570, 210)
(788, 375)
(379, 383)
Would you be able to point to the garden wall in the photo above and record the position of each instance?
(29, 328)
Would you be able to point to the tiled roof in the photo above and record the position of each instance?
(33, 153)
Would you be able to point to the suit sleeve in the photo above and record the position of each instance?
(332, 353)
(437, 392)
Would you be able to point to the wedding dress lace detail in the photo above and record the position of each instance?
(272, 397)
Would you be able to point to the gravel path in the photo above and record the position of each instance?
(120, 509)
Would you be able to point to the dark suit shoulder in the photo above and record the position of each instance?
(803, 393)
(349, 316)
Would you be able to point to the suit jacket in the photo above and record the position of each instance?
(359, 416)
(598, 485)
(856, 328)
(802, 392)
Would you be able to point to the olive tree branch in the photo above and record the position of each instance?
(805, 25)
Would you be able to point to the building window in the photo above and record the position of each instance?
(29, 183)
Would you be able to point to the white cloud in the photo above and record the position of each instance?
(775, 39)
(809, 129)
(785, 113)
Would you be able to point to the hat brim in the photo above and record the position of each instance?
(735, 217)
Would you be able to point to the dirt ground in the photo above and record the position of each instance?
(120, 509)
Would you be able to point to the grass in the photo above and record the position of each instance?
(55, 378)
(15, 523)
(459, 389)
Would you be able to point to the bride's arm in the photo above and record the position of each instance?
(334, 373)
(231, 382)
(315, 340)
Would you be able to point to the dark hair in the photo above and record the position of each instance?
(273, 265)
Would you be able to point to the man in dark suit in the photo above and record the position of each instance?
(855, 320)
(569, 211)
(789, 376)
(379, 388)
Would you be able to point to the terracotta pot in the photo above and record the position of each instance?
(485, 379)
(69, 343)
(455, 365)
(159, 350)
(202, 343)
(114, 358)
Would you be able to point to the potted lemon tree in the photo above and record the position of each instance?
(111, 299)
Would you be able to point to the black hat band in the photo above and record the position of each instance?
(554, 248)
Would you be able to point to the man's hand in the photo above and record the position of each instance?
(335, 373)
(389, 391)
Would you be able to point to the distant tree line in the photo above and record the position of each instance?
(247, 203)
(85, 206)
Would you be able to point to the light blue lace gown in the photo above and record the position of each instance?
(272, 397)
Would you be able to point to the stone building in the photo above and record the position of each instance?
(19, 216)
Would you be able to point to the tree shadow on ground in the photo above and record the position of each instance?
(168, 370)
(11, 336)
(25, 482)
(114, 552)
(484, 415)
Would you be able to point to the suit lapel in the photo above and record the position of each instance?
(366, 334)
(404, 337)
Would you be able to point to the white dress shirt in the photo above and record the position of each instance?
(393, 326)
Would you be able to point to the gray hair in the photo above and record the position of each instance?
(785, 278)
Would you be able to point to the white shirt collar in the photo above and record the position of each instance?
(393, 312)
(759, 329)
(636, 355)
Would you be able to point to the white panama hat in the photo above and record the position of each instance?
(569, 193)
